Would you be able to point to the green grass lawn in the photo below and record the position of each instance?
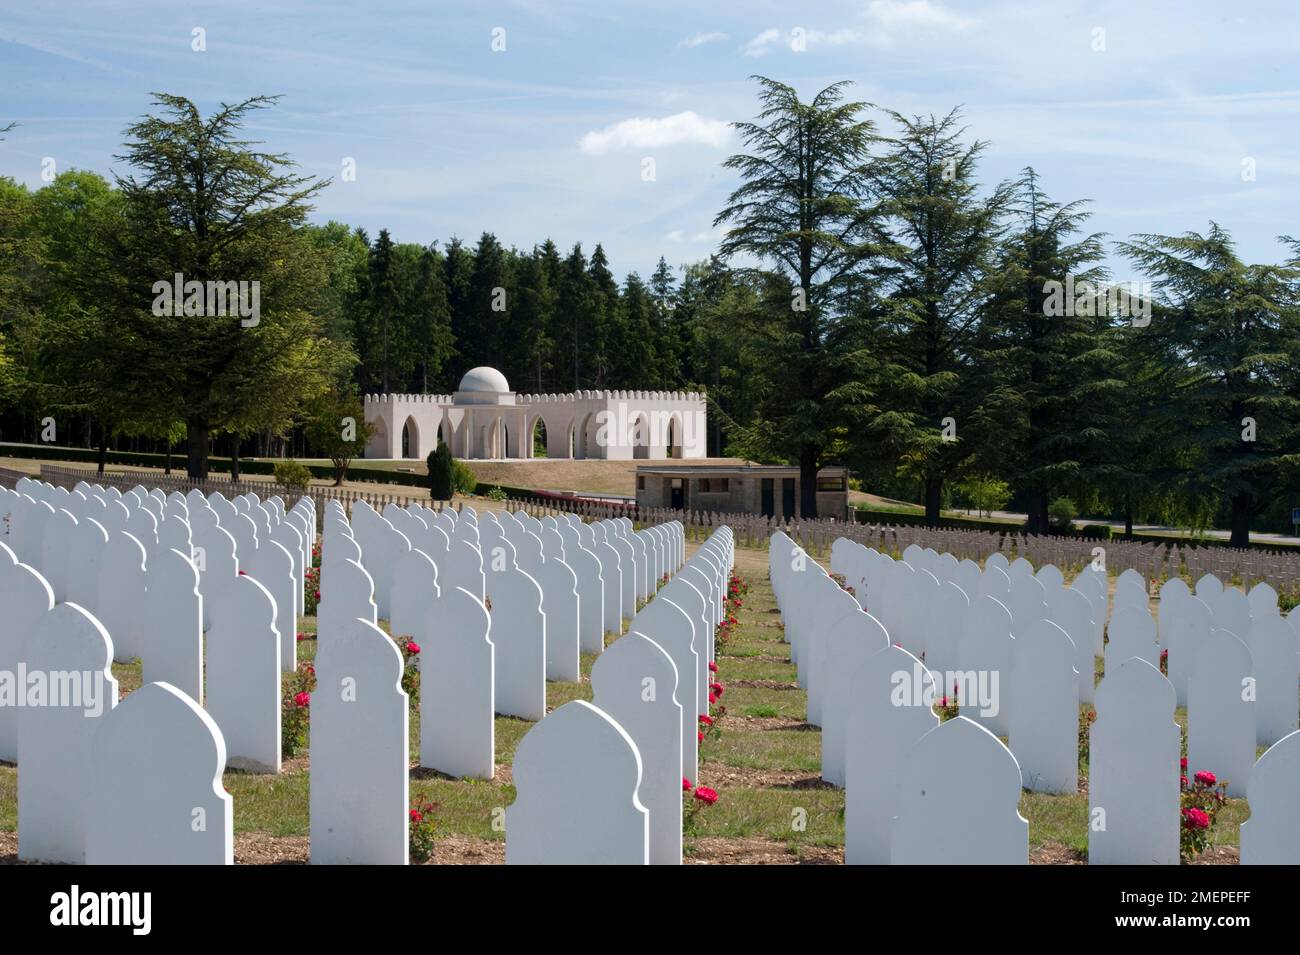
(764, 762)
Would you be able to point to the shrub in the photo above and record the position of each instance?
(1060, 513)
(1202, 798)
(1099, 532)
(496, 494)
(294, 476)
(465, 481)
(295, 708)
(442, 473)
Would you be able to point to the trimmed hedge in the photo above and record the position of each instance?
(866, 515)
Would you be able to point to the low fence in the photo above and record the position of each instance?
(1155, 561)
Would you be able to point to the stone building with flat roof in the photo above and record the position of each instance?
(485, 420)
(767, 489)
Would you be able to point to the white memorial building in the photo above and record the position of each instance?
(485, 420)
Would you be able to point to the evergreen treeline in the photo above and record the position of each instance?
(873, 303)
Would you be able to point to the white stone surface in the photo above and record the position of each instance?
(26, 598)
(975, 823)
(577, 773)
(457, 722)
(155, 789)
(519, 635)
(171, 626)
(1273, 646)
(1133, 768)
(1220, 717)
(122, 583)
(886, 716)
(1271, 836)
(1045, 709)
(243, 675)
(635, 682)
(55, 741)
(360, 797)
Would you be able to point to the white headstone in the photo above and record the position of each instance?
(155, 791)
(360, 800)
(635, 682)
(243, 675)
(171, 626)
(457, 721)
(1221, 713)
(1271, 836)
(577, 773)
(1045, 709)
(975, 823)
(1133, 768)
(55, 738)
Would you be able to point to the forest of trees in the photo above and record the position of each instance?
(872, 303)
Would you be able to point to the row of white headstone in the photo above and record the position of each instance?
(482, 624)
(92, 575)
(875, 710)
(191, 586)
(1239, 690)
(601, 783)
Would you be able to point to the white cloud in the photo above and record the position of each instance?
(701, 38)
(641, 133)
(837, 38)
(759, 44)
(906, 13)
(676, 236)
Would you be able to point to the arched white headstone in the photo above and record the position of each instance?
(26, 597)
(1045, 709)
(886, 716)
(519, 635)
(635, 682)
(171, 626)
(360, 797)
(976, 823)
(577, 773)
(1271, 836)
(243, 675)
(457, 728)
(55, 736)
(1220, 712)
(1133, 768)
(155, 787)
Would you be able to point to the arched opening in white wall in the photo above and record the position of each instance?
(641, 438)
(503, 445)
(584, 438)
(535, 445)
(410, 438)
(442, 435)
(570, 442)
(674, 449)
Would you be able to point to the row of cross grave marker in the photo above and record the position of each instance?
(198, 589)
(497, 603)
(1020, 646)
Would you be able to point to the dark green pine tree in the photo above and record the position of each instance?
(939, 244)
(532, 317)
(489, 305)
(603, 313)
(574, 311)
(803, 211)
(1232, 328)
(667, 343)
(432, 321)
(383, 303)
(1043, 357)
(458, 268)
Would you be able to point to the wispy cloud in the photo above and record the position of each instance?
(914, 13)
(643, 133)
(758, 46)
(700, 39)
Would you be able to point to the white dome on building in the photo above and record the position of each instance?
(484, 379)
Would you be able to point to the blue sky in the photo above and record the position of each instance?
(548, 137)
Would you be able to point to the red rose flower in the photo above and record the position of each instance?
(713, 697)
(1182, 782)
(686, 785)
(706, 795)
(706, 719)
(1182, 763)
(699, 737)
(412, 647)
(417, 816)
(1205, 778)
(1194, 818)
(713, 667)
(302, 700)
